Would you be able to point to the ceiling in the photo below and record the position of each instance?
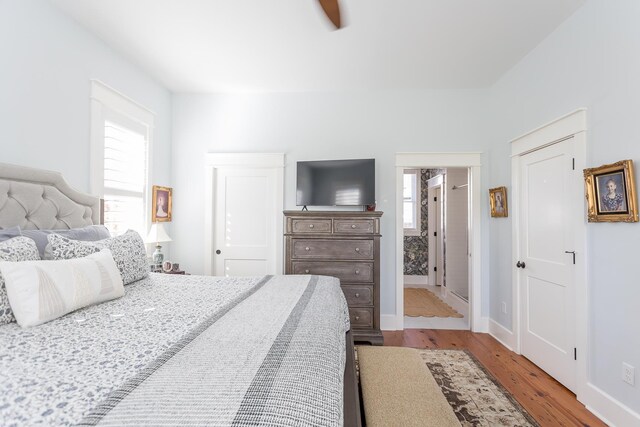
(288, 45)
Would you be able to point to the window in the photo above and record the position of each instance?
(125, 178)
(121, 140)
(411, 202)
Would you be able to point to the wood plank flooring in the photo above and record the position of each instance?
(548, 402)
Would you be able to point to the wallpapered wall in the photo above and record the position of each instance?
(416, 248)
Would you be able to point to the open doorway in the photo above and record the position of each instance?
(436, 250)
(447, 170)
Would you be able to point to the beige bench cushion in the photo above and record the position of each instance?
(399, 390)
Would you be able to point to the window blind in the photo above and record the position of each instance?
(125, 178)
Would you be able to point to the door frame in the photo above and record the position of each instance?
(574, 126)
(215, 161)
(472, 161)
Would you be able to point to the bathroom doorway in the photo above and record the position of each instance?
(438, 241)
(435, 219)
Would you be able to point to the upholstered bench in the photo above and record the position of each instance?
(399, 390)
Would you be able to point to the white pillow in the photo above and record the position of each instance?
(40, 291)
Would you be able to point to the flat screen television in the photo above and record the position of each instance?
(336, 183)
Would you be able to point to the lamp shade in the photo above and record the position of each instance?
(157, 234)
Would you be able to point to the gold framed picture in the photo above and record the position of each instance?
(161, 204)
(498, 201)
(611, 193)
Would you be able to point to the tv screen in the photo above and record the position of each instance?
(336, 183)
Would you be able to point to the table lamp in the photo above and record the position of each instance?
(158, 234)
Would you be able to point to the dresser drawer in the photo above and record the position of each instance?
(361, 317)
(311, 225)
(358, 295)
(354, 272)
(332, 249)
(354, 226)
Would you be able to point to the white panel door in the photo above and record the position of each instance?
(547, 209)
(245, 218)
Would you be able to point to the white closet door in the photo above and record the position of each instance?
(245, 221)
(547, 294)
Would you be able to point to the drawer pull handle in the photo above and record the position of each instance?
(307, 248)
(357, 249)
(357, 295)
(353, 226)
(310, 225)
(306, 271)
(357, 317)
(357, 271)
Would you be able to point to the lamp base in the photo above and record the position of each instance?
(158, 256)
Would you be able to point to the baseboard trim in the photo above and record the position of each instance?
(608, 409)
(389, 322)
(416, 280)
(482, 326)
(502, 334)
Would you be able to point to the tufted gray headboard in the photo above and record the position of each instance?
(40, 199)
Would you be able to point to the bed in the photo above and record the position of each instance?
(174, 350)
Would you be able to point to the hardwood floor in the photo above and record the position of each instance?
(550, 403)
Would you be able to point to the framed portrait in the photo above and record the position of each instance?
(611, 193)
(498, 201)
(161, 204)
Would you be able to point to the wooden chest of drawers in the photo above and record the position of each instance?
(345, 245)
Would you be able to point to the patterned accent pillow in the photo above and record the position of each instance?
(16, 249)
(41, 291)
(128, 251)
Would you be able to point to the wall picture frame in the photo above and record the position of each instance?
(498, 201)
(611, 193)
(161, 204)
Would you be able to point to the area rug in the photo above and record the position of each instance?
(420, 302)
(474, 394)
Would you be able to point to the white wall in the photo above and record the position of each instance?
(456, 235)
(46, 63)
(593, 61)
(309, 126)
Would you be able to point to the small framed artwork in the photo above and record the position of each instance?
(611, 193)
(498, 201)
(161, 204)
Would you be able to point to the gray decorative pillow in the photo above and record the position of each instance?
(16, 249)
(90, 233)
(9, 233)
(128, 252)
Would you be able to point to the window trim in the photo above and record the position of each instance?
(104, 102)
(415, 231)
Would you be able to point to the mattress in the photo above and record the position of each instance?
(184, 350)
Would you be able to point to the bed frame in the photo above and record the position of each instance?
(40, 199)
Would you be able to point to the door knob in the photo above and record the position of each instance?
(218, 252)
(357, 271)
(353, 226)
(520, 264)
(306, 271)
(357, 295)
(357, 249)
(310, 225)
(307, 248)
